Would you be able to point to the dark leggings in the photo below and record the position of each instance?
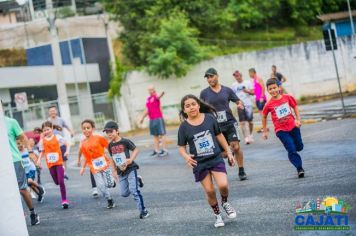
(57, 173)
(38, 170)
(93, 183)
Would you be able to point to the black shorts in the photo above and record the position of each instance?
(245, 114)
(231, 132)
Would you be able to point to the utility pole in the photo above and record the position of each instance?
(351, 20)
(57, 61)
(105, 20)
(32, 10)
(85, 67)
(337, 71)
(74, 7)
(74, 74)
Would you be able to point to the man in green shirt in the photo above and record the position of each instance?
(15, 132)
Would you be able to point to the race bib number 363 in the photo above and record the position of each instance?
(52, 157)
(283, 110)
(99, 163)
(204, 144)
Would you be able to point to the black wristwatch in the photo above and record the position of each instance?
(29, 152)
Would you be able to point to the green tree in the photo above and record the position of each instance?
(213, 22)
(176, 48)
(299, 14)
(142, 19)
(117, 78)
(137, 27)
(253, 13)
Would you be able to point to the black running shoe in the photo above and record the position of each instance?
(66, 177)
(144, 214)
(154, 154)
(35, 219)
(65, 204)
(140, 181)
(301, 173)
(163, 153)
(41, 194)
(242, 175)
(40, 198)
(111, 204)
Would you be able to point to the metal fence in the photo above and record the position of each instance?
(37, 113)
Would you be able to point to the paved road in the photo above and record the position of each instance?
(265, 202)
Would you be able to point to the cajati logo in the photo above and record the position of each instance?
(327, 214)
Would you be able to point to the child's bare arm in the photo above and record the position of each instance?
(133, 156)
(188, 158)
(297, 116)
(264, 126)
(79, 157)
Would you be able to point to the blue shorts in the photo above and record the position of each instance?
(260, 105)
(157, 127)
(31, 175)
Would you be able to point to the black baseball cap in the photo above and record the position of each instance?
(111, 125)
(210, 71)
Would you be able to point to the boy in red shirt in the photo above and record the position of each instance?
(287, 127)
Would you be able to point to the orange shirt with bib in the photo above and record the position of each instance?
(93, 150)
(52, 152)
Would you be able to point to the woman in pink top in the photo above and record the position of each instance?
(259, 89)
(157, 126)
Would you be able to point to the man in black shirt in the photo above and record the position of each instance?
(279, 77)
(219, 97)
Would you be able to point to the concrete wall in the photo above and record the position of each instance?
(309, 70)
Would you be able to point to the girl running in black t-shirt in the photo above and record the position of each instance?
(201, 132)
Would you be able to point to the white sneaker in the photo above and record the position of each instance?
(247, 141)
(95, 193)
(230, 211)
(219, 221)
(33, 195)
